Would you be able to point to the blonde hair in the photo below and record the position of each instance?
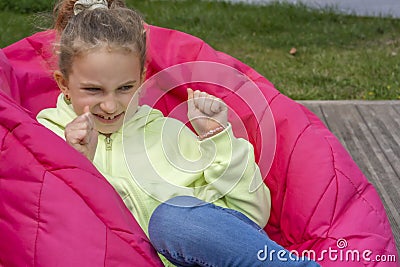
(115, 28)
(64, 10)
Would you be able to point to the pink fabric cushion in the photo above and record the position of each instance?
(56, 209)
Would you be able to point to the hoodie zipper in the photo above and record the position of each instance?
(108, 142)
(135, 194)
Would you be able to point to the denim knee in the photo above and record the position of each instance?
(167, 216)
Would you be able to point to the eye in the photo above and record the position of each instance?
(125, 88)
(92, 89)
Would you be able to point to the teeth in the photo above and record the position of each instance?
(107, 118)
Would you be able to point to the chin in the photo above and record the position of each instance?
(108, 130)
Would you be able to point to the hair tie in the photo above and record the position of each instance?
(81, 5)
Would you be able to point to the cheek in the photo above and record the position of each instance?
(132, 105)
(130, 101)
(77, 108)
(79, 104)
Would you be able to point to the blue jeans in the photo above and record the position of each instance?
(191, 232)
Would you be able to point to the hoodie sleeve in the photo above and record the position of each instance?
(230, 177)
(44, 118)
(57, 118)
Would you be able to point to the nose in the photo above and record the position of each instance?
(109, 104)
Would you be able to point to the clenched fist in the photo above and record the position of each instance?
(82, 135)
(206, 112)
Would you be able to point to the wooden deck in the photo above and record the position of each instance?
(370, 131)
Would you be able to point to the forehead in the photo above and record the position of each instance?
(106, 62)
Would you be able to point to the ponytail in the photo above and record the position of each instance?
(64, 10)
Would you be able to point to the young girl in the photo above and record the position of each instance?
(101, 69)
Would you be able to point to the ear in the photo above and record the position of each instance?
(61, 82)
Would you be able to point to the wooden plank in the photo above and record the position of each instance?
(397, 109)
(384, 123)
(339, 126)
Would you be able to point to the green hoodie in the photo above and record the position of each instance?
(153, 158)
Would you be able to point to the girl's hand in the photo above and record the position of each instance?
(81, 134)
(206, 112)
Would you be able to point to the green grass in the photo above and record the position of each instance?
(14, 27)
(338, 56)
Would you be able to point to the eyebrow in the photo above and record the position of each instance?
(128, 82)
(90, 84)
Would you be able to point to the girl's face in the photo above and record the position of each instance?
(105, 80)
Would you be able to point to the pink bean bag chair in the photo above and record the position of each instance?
(55, 207)
(57, 210)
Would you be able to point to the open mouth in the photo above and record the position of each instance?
(108, 119)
